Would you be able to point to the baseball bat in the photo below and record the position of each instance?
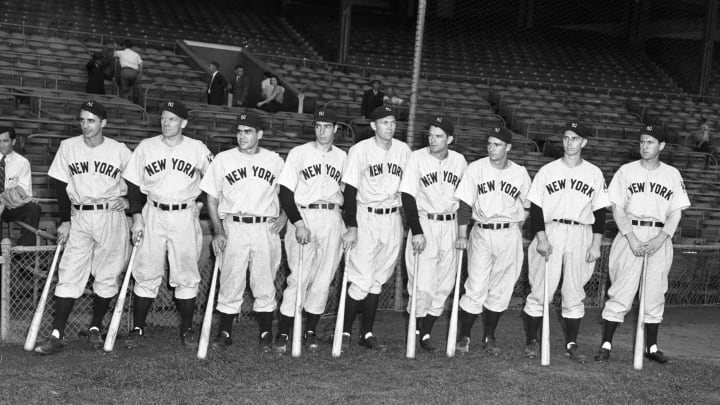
(297, 321)
(452, 330)
(119, 306)
(207, 320)
(40, 310)
(545, 342)
(339, 322)
(412, 327)
(640, 330)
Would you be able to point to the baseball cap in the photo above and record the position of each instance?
(443, 122)
(249, 119)
(176, 108)
(655, 132)
(95, 108)
(502, 134)
(578, 128)
(324, 115)
(381, 112)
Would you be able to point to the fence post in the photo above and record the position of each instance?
(5, 289)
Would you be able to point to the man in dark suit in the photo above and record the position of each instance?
(372, 99)
(217, 85)
(240, 87)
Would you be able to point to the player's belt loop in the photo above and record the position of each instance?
(322, 206)
(250, 220)
(170, 207)
(382, 210)
(567, 221)
(647, 223)
(503, 225)
(90, 207)
(441, 217)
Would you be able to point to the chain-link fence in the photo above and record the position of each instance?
(694, 280)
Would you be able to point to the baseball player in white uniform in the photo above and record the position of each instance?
(648, 197)
(493, 192)
(90, 191)
(567, 213)
(242, 189)
(164, 173)
(311, 196)
(432, 175)
(372, 214)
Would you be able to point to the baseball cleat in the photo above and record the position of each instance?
(427, 345)
(463, 345)
(281, 343)
(574, 353)
(188, 338)
(51, 345)
(602, 355)
(266, 343)
(657, 356)
(135, 338)
(222, 340)
(371, 342)
(489, 345)
(531, 349)
(311, 342)
(95, 339)
(345, 340)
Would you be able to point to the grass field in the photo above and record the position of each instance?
(163, 372)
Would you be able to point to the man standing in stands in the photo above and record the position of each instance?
(240, 87)
(216, 86)
(96, 75)
(372, 99)
(16, 188)
(130, 69)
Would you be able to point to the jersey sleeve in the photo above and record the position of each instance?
(409, 181)
(133, 171)
(600, 198)
(59, 166)
(289, 173)
(525, 188)
(212, 180)
(466, 189)
(535, 195)
(205, 158)
(279, 167)
(125, 154)
(617, 190)
(354, 167)
(680, 200)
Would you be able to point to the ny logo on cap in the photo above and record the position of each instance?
(89, 103)
(321, 113)
(243, 116)
(574, 124)
(497, 130)
(387, 109)
(648, 128)
(439, 120)
(171, 104)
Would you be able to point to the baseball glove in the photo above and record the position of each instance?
(14, 197)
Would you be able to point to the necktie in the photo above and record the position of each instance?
(2, 174)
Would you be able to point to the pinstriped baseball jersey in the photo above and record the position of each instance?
(314, 175)
(495, 195)
(168, 174)
(92, 174)
(244, 184)
(432, 181)
(569, 192)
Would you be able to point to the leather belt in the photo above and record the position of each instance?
(251, 220)
(382, 210)
(647, 223)
(170, 207)
(90, 207)
(322, 206)
(567, 221)
(494, 226)
(441, 217)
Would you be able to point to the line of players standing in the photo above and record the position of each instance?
(251, 193)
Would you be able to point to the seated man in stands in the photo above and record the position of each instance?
(372, 99)
(272, 96)
(16, 188)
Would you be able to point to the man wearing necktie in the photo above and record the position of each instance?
(240, 86)
(16, 180)
(216, 86)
